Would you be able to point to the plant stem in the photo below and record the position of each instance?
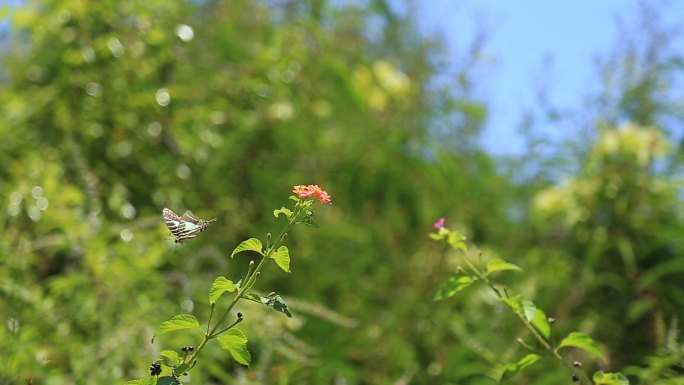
(527, 323)
(250, 279)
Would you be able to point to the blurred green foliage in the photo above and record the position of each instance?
(112, 110)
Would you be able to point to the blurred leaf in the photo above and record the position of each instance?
(168, 380)
(138, 382)
(500, 265)
(453, 286)
(457, 241)
(288, 213)
(236, 343)
(251, 244)
(582, 341)
(601, 378)
(220, 286)
(524, 307)
(541, 323)
(252, 297)
(512, 369)
(309, 221)
(180, 369)
(282, 258)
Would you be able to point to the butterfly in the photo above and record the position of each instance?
(184, 227)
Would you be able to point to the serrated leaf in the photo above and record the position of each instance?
(541, 323)
(236, 343)
(168, 380)
(452, 286)
(288, 213)
(276, 303)
(524, 307)
(582, 341)
(252, 244)
(252, 297)
(179, 322)
(137, 382)
(172, 355)
(282, 258)
(601, 378)
(500, 265)
(220, 286)
(515, 367)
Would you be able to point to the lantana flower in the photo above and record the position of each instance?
(312, 191)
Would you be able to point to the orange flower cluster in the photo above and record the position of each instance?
(312, 191)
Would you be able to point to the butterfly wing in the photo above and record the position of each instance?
(180, 228)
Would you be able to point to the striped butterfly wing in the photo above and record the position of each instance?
(188, 216)
(181, 228)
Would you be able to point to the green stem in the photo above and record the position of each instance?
(527, 324)
(250, 279)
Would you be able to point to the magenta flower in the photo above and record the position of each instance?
(439, 224)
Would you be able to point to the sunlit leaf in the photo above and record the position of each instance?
(288, 213)
(251, 244)
(236, 343)
(582, 341)
(601, 378)
(515, 367)
(500, 265)
(541, 323)
(220, 286)
(252, 297)
(522, 306)
(282, 258)
(179, 322)
(453, 286)
(173, 356)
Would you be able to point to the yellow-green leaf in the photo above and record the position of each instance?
(582, 341)
(500, 265)
(220, 286)
(235, 342)
(252, 244)
(179, 322)
(282, 258)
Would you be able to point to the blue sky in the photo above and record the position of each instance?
(533, 42)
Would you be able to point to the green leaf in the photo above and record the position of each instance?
(282, 258)
(288, 213)
(457, 241)
(252, 244)
(453, 286)
(220, 286)
(137, 382)
(601, 378)
(252, 297)
(500, 265)
(582, 341)
(541, 323)
(276, 303)
(179, 322)
(236, 343)
(513, 368)
(173, 356)
(309, 221)
(524, 307)
(180, 369)
(168, 380)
